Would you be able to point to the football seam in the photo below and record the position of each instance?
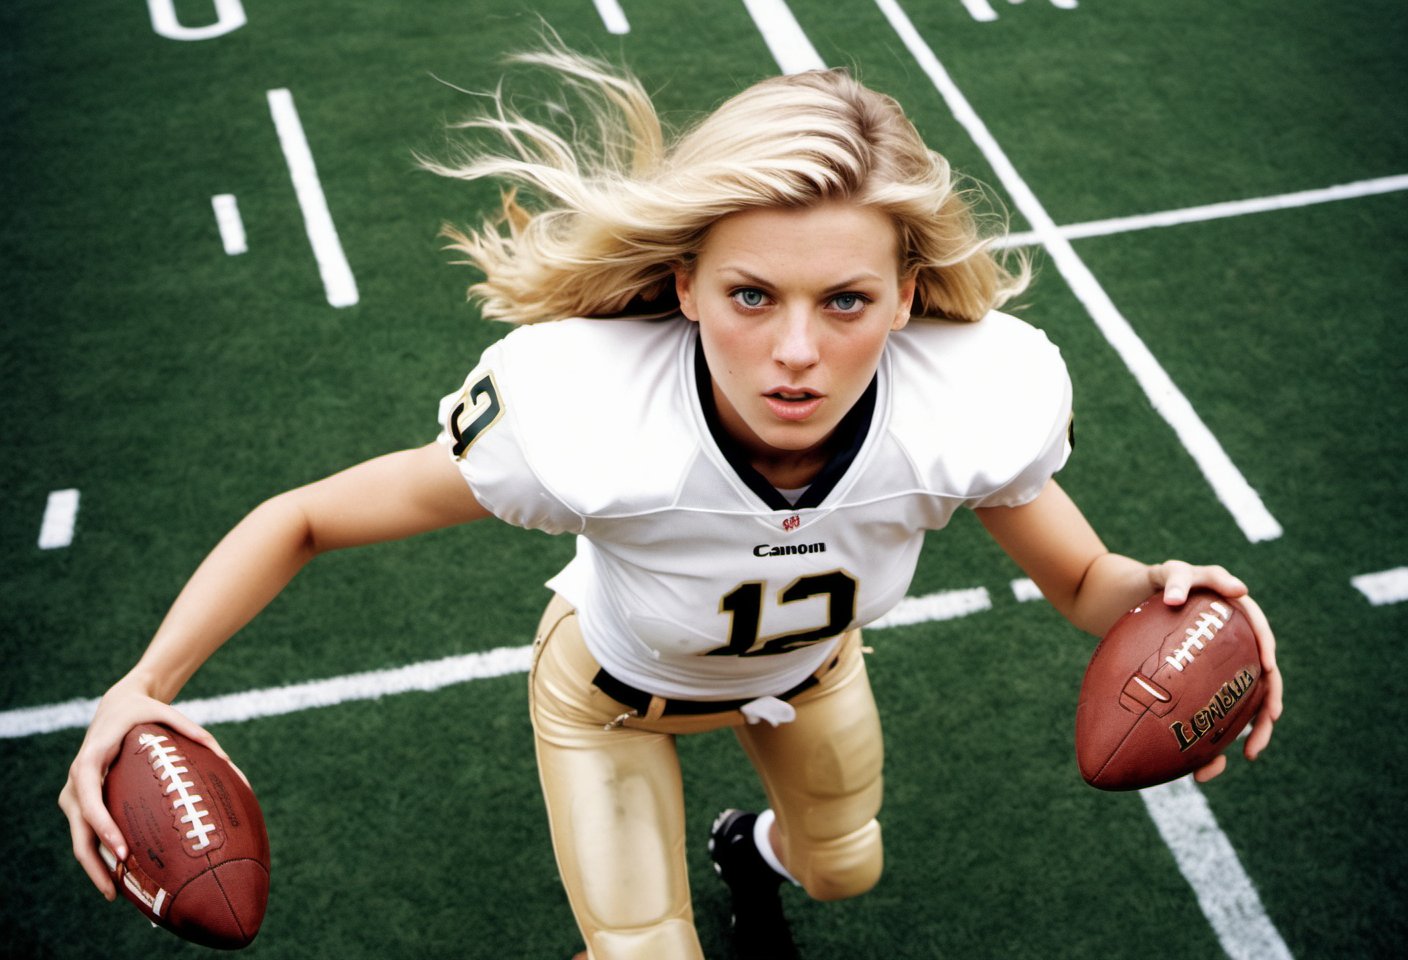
(1093, 657)
(212, 868)
(1113, 752)
(239, 925)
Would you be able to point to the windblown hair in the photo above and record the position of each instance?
(607, 218)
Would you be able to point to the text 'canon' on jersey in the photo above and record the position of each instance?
(789, 550)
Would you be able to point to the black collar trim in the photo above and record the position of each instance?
(847, 440)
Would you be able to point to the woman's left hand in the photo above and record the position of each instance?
(1178, 579)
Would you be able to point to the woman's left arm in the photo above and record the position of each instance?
(1050, 539)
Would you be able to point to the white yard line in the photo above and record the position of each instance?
(1227, 482)
(945, 605)
(338, 282)
(1388, 586)
(613, 16)
(425, 676)
(227, 218)
(1217, 211)
(1225, 893)
(60, 517)
(273, 701)
(980, 10)
(983, 12)
(1205, 856)
(789, 46)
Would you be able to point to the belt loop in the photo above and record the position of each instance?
(656, 709)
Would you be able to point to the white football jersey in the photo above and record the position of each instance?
(693, 578)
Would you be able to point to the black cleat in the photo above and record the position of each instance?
(759, 928)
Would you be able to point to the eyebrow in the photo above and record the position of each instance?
(752, 278)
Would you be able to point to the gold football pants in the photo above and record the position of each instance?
(616, 802)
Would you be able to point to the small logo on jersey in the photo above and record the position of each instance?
(791, 523)
(790, 550)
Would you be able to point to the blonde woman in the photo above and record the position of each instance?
(752, 368)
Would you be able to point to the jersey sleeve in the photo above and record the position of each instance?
(481, 433)
(1054, 451)
(983, 410)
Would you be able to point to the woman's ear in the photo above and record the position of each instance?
(906, 305)
(684, 290)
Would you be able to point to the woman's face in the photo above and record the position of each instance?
(794, 307)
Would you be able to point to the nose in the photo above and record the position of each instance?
(796, 346)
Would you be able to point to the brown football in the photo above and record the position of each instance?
(198, 853)
(1167, 690)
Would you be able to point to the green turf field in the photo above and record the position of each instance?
(175, 386)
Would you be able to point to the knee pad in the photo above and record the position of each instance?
(673, 939)
(845, 866)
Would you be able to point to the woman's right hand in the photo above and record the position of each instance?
(387, 498)
(124, 706)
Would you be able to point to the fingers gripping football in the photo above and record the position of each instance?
(1271, 707)
(81, 799)
(1178, 579)
(88, 820)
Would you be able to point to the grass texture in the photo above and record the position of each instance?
(176, 387)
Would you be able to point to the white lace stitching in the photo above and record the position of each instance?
(1198, 635)
(166, 761)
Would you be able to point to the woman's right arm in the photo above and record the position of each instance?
(388, 498)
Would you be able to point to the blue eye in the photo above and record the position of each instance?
(849, 302)
(749, 297)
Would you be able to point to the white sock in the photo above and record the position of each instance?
(762, 828)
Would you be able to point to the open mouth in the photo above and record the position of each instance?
(793, 404)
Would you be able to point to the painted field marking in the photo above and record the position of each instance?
(1227, 482)
(229, 15)
(980, 10)
(789, 46)
(1388, 586)
(613, 16)
(60, 517)
(1206, 859)
(426, 676)
(423, 677)
(1181, 813)
(983, 12)
(338, 281)
(1217, 211)
(1025, 590)
(945, 605)
(227, 218)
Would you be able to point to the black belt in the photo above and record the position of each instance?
(639, 700)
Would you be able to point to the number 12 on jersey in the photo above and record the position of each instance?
(744, 605)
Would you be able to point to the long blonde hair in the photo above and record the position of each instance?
(612, 214)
